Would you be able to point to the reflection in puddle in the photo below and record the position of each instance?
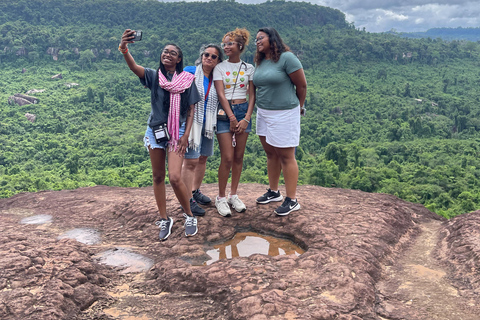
(125, 259)
(244, 244)
(83, 235)
(38, 219)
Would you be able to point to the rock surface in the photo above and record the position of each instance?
(363, 252)
(30, 117)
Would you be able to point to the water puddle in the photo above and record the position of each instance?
(38, 219)
(244, 244)
(125, 259)
(83, 235)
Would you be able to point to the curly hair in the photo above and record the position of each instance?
(277, 46)
(242, 36)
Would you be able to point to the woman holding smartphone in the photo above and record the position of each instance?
(233, 80)
(173, 94)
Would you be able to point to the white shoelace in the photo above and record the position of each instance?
(162, 224)
(190, 221)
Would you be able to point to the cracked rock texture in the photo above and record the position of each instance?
(349, 237)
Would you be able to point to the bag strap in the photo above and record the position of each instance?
(238, 73)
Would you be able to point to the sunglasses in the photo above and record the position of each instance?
(208, 55)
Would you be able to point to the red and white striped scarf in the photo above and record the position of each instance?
(180, 82)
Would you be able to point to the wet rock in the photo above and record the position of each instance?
(349, 236)
(40, 276)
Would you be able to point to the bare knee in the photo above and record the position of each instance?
(190, 164)
(202, 160)
(175, 179)
(238, 160)
(227, 161)
(158, 177)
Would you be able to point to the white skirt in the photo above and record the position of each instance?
(280, 127)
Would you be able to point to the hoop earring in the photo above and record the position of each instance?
(241, 47)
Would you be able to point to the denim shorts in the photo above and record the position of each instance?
(239, 110)
(206, 149)
(149, 139)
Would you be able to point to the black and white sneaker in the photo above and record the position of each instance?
(270, 196)
(165, 226)
(287, 206)
(200, 197)
(190, 225)
(196, 209)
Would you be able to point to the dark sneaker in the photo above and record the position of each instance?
(270, 196)
(165, 226)
(190, 225)
(196, 209)
(200, 197)
(287, 206)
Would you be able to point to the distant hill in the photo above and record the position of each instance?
(469, 34)
(384, 113)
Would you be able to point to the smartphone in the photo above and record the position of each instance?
(137, 35)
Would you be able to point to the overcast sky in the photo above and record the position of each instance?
(405, 15)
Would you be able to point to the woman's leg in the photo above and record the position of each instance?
(157, 158)
(175, 176)
(226, 161)
(286, 157)
(274, 166)
(189, 173)
(199, 172)
(237, 165)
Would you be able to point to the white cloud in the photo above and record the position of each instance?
(403, 16)
(408, 15)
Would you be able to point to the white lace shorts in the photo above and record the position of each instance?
(280, 127)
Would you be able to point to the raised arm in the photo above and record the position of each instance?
(137, 69)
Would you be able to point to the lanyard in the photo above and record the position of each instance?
(208, 90)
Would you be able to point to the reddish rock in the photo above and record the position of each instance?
(349, 237)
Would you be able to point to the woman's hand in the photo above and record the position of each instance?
(233, 125)
(126, 36)
(182, 145)
(241, 126)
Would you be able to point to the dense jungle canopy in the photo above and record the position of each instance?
(385, 113)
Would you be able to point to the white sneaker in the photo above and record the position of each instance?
(222, 207)
(236, 203)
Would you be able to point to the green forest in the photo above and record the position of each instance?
(459, 33)
(384, 113)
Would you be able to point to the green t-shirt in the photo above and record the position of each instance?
(275, 90)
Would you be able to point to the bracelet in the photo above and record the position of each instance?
(231, 116)
(121, 50)
(246, 120)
